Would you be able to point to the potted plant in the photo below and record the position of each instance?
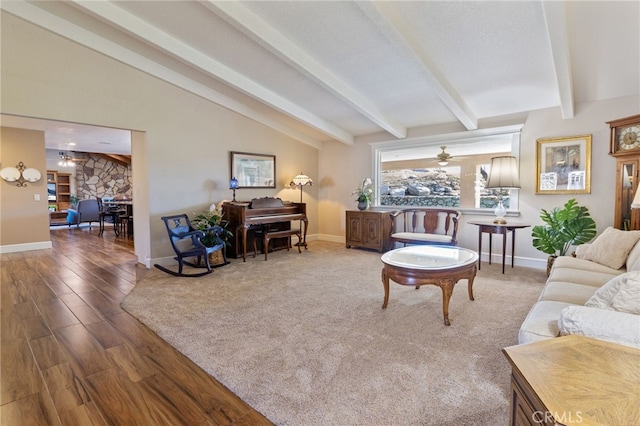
(364, 194)
(207, 219)
(564, 227)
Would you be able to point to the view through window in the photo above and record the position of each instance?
(446, 172)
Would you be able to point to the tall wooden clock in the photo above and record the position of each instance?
(625, 146)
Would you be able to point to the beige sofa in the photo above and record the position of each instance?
(574, 282)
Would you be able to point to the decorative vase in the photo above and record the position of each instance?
(362, 205)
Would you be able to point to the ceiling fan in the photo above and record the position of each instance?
(68, 161)
(444, 157)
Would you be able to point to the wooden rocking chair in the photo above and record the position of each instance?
(186, 242)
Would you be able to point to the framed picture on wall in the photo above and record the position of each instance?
(563, 165)
(253, 170)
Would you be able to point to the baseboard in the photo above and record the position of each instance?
(14, 248)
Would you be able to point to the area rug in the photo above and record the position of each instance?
(303, 338)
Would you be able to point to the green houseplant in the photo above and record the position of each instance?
(364, 194)
(570, 225)
(207, 219)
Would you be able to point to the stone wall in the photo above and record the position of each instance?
(438, 201)
(99, 177)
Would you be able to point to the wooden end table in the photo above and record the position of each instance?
(574, 380)
(437, 265)
(500, 229)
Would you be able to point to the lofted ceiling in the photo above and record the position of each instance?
(336, 70)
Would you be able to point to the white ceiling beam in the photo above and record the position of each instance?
(399, 32)
(557, 31)
(259, 31)
(64, 28)
(134, 26)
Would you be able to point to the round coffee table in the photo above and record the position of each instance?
(443, 266)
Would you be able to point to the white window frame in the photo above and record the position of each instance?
(511, 133)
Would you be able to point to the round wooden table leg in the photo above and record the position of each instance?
(385, 284)
(447, 289)
(470, 285)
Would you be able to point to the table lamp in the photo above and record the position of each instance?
(300, 181)
(503, 175)
(233, 185)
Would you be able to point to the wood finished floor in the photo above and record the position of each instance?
(71, 356)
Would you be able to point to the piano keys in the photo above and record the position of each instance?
(244, 218)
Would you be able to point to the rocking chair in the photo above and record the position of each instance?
(186, 242)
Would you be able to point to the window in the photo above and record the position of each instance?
(418, 173)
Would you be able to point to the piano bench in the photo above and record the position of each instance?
(268, 235)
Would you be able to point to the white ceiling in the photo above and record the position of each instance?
(63, 136)
(319, 70)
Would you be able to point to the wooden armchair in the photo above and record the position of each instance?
(186, 242)
(427, 226)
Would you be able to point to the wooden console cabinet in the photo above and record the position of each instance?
(574, 380)
(369, 228)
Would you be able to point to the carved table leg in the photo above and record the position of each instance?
(385, 284)
(470, 285)
(447, 289)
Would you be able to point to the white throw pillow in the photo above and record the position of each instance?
(612, 247)
(621, 293)
(616, 327)
(633, 260)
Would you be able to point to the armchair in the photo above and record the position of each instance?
(86, 211)
(423, 225)
(186, 243)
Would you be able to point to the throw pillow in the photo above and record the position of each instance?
(581, 250)
(633, 260)
(621, 294)
(616, 327)
(612, 247)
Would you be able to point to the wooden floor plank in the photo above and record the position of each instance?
(20, 374)
(47, 352)
(105, 334)
(35, 409)
(134, 365)
(68, 391)
(71, 355)
(56, 313)
(83, 349)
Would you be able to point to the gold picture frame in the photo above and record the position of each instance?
(563, 165)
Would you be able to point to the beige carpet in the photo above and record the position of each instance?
(303, 339)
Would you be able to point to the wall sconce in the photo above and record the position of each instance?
(20, 174)
(233, 184)
(300, 181)
(503, 175)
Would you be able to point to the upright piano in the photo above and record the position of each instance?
(245, 217)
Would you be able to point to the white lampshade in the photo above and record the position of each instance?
(302, 180)
(503, 173)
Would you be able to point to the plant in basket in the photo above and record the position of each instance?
(208, 219)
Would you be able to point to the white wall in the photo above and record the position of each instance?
(185, 164)
(342, 169)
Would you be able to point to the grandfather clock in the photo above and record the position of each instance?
(625, 147)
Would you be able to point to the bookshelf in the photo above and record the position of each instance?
(58, 190)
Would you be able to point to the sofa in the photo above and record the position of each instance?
(595, 293)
